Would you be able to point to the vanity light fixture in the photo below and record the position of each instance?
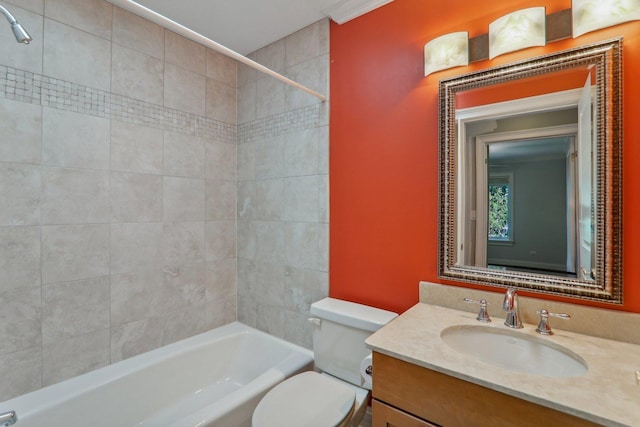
(591, 15)
(447, 51)
(517, 30)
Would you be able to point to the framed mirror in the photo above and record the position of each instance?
(531, 174)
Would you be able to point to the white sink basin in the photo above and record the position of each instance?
(515, 351)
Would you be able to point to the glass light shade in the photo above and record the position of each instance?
(448, 51)
(518, 30)
(591, 15)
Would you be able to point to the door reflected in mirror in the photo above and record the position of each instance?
(530, 156)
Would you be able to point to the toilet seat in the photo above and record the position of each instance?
(309, 399)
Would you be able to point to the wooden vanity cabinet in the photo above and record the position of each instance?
(408, 395)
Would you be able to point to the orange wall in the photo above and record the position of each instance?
(384, 145)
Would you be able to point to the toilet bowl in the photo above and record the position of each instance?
(337, 396)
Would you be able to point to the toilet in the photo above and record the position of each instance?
(336, 396)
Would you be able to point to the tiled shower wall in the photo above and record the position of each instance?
(117, 190)
(283, 220)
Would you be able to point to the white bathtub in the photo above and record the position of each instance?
(213, 379)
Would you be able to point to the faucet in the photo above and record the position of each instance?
(510, 305)
(8, 418)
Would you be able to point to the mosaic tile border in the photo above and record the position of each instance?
(279, 124)
(33, 88)
(25, 86)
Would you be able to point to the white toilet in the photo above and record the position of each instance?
(339, 395)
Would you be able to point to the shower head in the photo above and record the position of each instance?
(21, 34)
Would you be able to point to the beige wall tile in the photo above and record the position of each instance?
(68, 358)
(222, 68)
(246, 246)
(184, 155)
(131, 31)
(186, 54)
(136, 247)
(21, 372)
(220, 240)
(134, 338)
(74, 196)
(137, 296)
(270, 151)
(19, 258)
(137, 75)
(36, 6)
(20, 189)
(221, 281)
(136, 197)
(269, 97)
(136, 148)
(301, 153)
(271, 319)
(75, 308)
(21, 130)
(220, 160)
(246, 200)
(221, 101)
(184, 90)
(74, 252)
(20, 320)
(93, 16)
(183, 199)
(247, 161)
(247, 74)
(313, 74)
(301, 199)
(273, 56)
(247, 102)
(184, 287)
(220, 203)
(269, 200)
(86, 147)
(183, 244)
(303, 45)
(73, 55)
(269, 237)
(301, 245)
(184, 323)
(221, 312)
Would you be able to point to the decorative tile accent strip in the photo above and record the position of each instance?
(299, 119)
(25, 86)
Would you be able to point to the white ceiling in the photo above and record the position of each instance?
(247, 25)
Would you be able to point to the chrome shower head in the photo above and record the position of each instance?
(21, 34)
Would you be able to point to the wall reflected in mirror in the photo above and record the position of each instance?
(529, 156)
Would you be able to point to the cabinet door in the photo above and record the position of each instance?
(387, 416)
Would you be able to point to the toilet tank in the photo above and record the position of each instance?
(340, 329)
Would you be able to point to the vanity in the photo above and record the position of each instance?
(421, 380)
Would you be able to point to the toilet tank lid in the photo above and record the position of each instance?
(352, 314)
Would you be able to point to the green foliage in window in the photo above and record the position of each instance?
(499, 195)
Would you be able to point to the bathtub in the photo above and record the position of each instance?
(213, 379)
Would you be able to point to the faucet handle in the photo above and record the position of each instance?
(483, 315)
(543, 327)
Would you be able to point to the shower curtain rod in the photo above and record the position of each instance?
(165, 22)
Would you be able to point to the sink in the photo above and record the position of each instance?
(515, 351)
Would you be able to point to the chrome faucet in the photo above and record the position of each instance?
(510, 305)
(8, 418)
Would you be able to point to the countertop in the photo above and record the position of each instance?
(607, 393)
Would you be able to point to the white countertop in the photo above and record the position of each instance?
(606, 394)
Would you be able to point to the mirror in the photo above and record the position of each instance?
(531, 174)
